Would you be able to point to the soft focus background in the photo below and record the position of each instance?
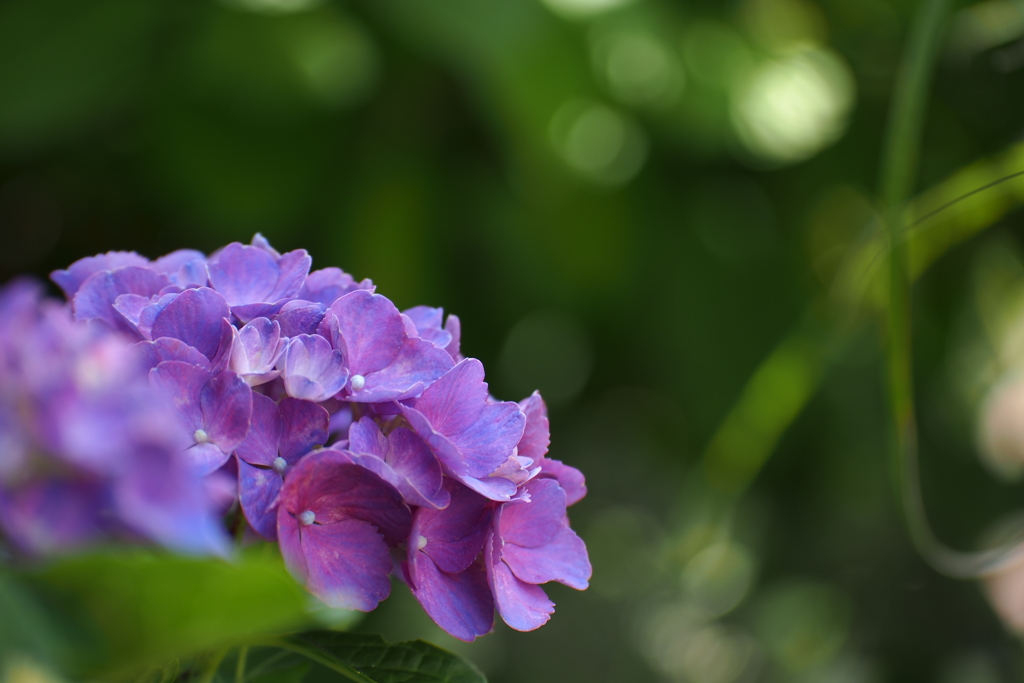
(658, 212)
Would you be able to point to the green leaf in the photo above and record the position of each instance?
(144, 609)
(26, 628)
(369, 659)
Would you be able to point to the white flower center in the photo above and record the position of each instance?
(201, 436)
(421, 542)
(307, 518)
(358, 382)
(280, 464)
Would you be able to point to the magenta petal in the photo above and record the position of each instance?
(454, 402)
(460, 603)
(563, 559)
(183, 384)
(416, 366)
(243, 274)
(260, 446)
(290, 542)
(372, 329)
(78, 272)
(226, 402)
(569, 478)
(523, 606)
(257, 492)
(348, 564)
(534, 523)
(195, 317)
(95, 298)
(304, 427)
(328, 484)
(537, 433)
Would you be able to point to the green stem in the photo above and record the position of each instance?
(243, 652)
(212, 664)
(899, 169)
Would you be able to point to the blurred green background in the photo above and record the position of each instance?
(658, 212)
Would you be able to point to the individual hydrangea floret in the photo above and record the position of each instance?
(336, 522)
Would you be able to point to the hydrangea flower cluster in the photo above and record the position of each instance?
(361, 440)
(86, 450)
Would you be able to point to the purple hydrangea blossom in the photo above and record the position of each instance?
(90, 453)
(280, 435)
(470, 436)
(363, 440)
(443, 569)
(530, 543)
(335, 523)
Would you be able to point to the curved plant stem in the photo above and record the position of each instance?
(212, 664)
(898, 176)
(322, 659)
(243, 653)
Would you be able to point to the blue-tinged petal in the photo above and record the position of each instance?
(95, 298)
(161, 499)
(327, 285)
(312, 370)
(418, 469)
(371, 328)
(196, 318)
(453, 537)
(205, 458)
(258, 488)
(348, 564)
(293, 268)
(260, 446)
(53, 516)
(304, 427)
(71, 280)
(183, 383)
(226, 403)
(299, 317)
(243, 274)
(460, 603)
(417, 365)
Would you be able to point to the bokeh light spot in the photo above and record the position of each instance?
(638, 68)
(583, 9)
(599, 142)
(549, 351)
(790, 108)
